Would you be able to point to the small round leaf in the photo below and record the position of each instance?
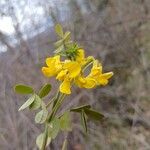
(41, 116)
(23, 89)
(54, 128)
(59, 30)
(39, 140)
(45, 90)
(65, 122)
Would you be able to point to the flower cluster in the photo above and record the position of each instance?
(71, 72)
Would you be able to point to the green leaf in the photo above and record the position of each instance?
(28, 102)
(45, 90)
(39, 140)
(80, 108)
(36, 104)
(65, 122)
(59, 49)
(54, 128)
(84, 120)
(41, 116)
(64, 147)
(59, 30)
(58, 43)
(23, 89)
(94, 115)
(67, 36)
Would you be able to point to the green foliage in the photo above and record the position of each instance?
(40, 139)
(36, 103)
(65, 122)
(48, 117)
(23, 89)
(45, 90)
(91, 114)
(67, 36)
(84, 120)
(94, 115)
(87, 113)
(42, 115)
(28, 102)
(80, 108)
(59, 49)
(54, 128)
(65, 46)
(58, 43)
(59, 30)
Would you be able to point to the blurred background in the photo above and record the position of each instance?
(117, 32)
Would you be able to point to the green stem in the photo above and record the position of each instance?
(56, 107)
(56, 98)
(87, 65)
(57, 103)
(50, 102)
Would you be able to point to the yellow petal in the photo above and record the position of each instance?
(61, 75)
(73, 68)
(58, 63)
(80, 81)
(90, 58)
(96, 63)
(54, 66)
(86, 82)
(103, 79)
(65, 87)
(48, 72)
(53, 60)
(80, 55)
(50, 61)
(96, 69)
(90, 83)
(108, 75)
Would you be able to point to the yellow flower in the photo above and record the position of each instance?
(96, 73)
(73, 68)
(96, 77)
(54, 66)
(86, 82)
(80, 58)
(70, 70)
(65, 86)
(103, 78)
(61, 75)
